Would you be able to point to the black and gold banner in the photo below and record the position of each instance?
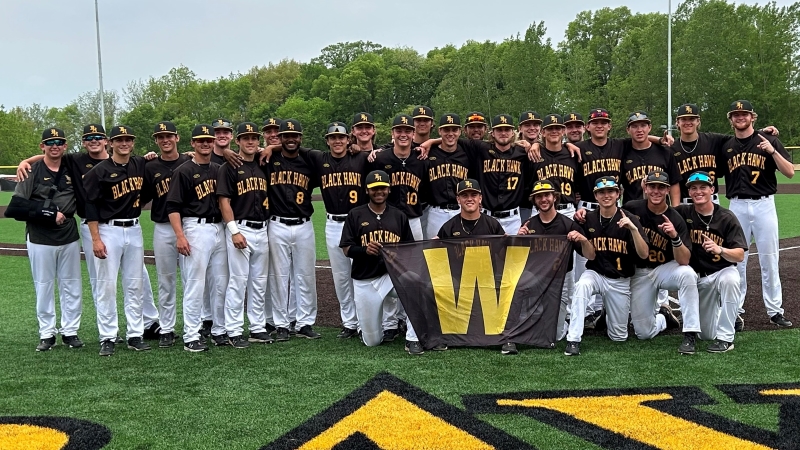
(481, 291)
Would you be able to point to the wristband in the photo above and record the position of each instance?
(232, 228)
(677, 242)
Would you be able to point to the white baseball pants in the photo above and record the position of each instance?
(436, 218)
(166, 254)
(616, 294)
(293, 256)
(249, 271)
(340, 269)
(370, 297)
(48, 264)
(645, 283)
(719, 304)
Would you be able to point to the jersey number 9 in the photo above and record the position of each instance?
(353, 197)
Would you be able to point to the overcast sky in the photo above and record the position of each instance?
(50, 54)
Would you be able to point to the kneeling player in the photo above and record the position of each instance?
(366, 229)
(550, 221)
(619, 242)
(718, 244)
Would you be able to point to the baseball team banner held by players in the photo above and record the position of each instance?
(481, 292)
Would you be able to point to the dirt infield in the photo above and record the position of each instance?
(755, 317)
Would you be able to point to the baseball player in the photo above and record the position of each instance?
(530, 128)
(475, 126)
(752, 159)
(200, 239)
(158, 174)
(362, 132)
(270, 131)
(46, 202)
(558, 166)
(644, 156)
(243, 203)
(223, 134)
(666, 266)
(575, 127)
(366, 229)
(549, 221)
(718, 244)
(423, 125)
(447, 165)
(291, 234)
(619, 242)
(113, 205)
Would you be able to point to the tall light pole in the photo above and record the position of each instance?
(100, 66)
(669, 66)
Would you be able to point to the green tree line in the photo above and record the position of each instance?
(608, 58)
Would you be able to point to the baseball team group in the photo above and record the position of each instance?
(642, 215)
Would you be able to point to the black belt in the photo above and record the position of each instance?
(504, 214)
(450, 206)
(209, 219)
(290, 220)
(253, 225)
(750, 197)
(121, 222)
(337, 217)
(562, 207)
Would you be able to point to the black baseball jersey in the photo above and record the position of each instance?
(660, 244)
(340, 179)
(722, 227)
(751, 171)
(445, 171)
(157, 177)
(614, 248)
(291, 181)
(409, 180)
(502, 175)
(562, 170)
(114, 191)
(215, 158)
(597, 162)
(561, 225)
(37, 187)
(78, 165)
(702, 154)
(192, 191)
(458, 227)
(636, 164)
(246, 186)
(363, 226)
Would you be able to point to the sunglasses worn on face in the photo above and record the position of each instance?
(55, 142)
(204, 140)
(93, 138)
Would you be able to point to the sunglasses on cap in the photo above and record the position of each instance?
(701, 177)
(222, 124)
(540, 185)
(55, 142)
(94, 138)
(606, 183)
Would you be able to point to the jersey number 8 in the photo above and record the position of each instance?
(300, 197)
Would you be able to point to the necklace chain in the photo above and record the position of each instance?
(377, 214)
(707, 224)
(473, 227)
(693, 147)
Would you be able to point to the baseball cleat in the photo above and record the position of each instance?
(720, 347)
(239, 342)
(119, 340)
(72, 341)
(688, 346)
(780, 321)
(347, 333)
(292, 328)
(270, 329)
(281, 335)
(572, 348)
(260, 338)
(136, 343)
(46, 344)
(152, 332)
(439, 348)
(166, 340)
(205, 330)
(672, 321)
(390, 335)
(509, 348)
(739, 325)
(414, 348)
(220, 340)
(308, 332)
(195, 347)
(107, 347)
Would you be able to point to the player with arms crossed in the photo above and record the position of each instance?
(718, 244)
(750, 183)
(46, 202)
(619, 242)
(368, 227)
(200, 240)
(243, 203)
(447, 166)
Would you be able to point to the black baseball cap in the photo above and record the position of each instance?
(741, 105)
(469, 184)
(606, 183)
(688, 110)
(449, 120)
(657, 177)
(53, 133)
(271, 122)
(403, 120)
(165, 127)
(222, 124)
(363, 118)
(121, 131)
(246, 128)
(423, 112)
(574, 117)
(502, 120)
(203, 130)
(290, 126)
(638, 116)
(699, 177)
(599, 114)
(529, 116)
(93, 129)
(476, 117)
(377, 178)
(336, 128)
(553, 120)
